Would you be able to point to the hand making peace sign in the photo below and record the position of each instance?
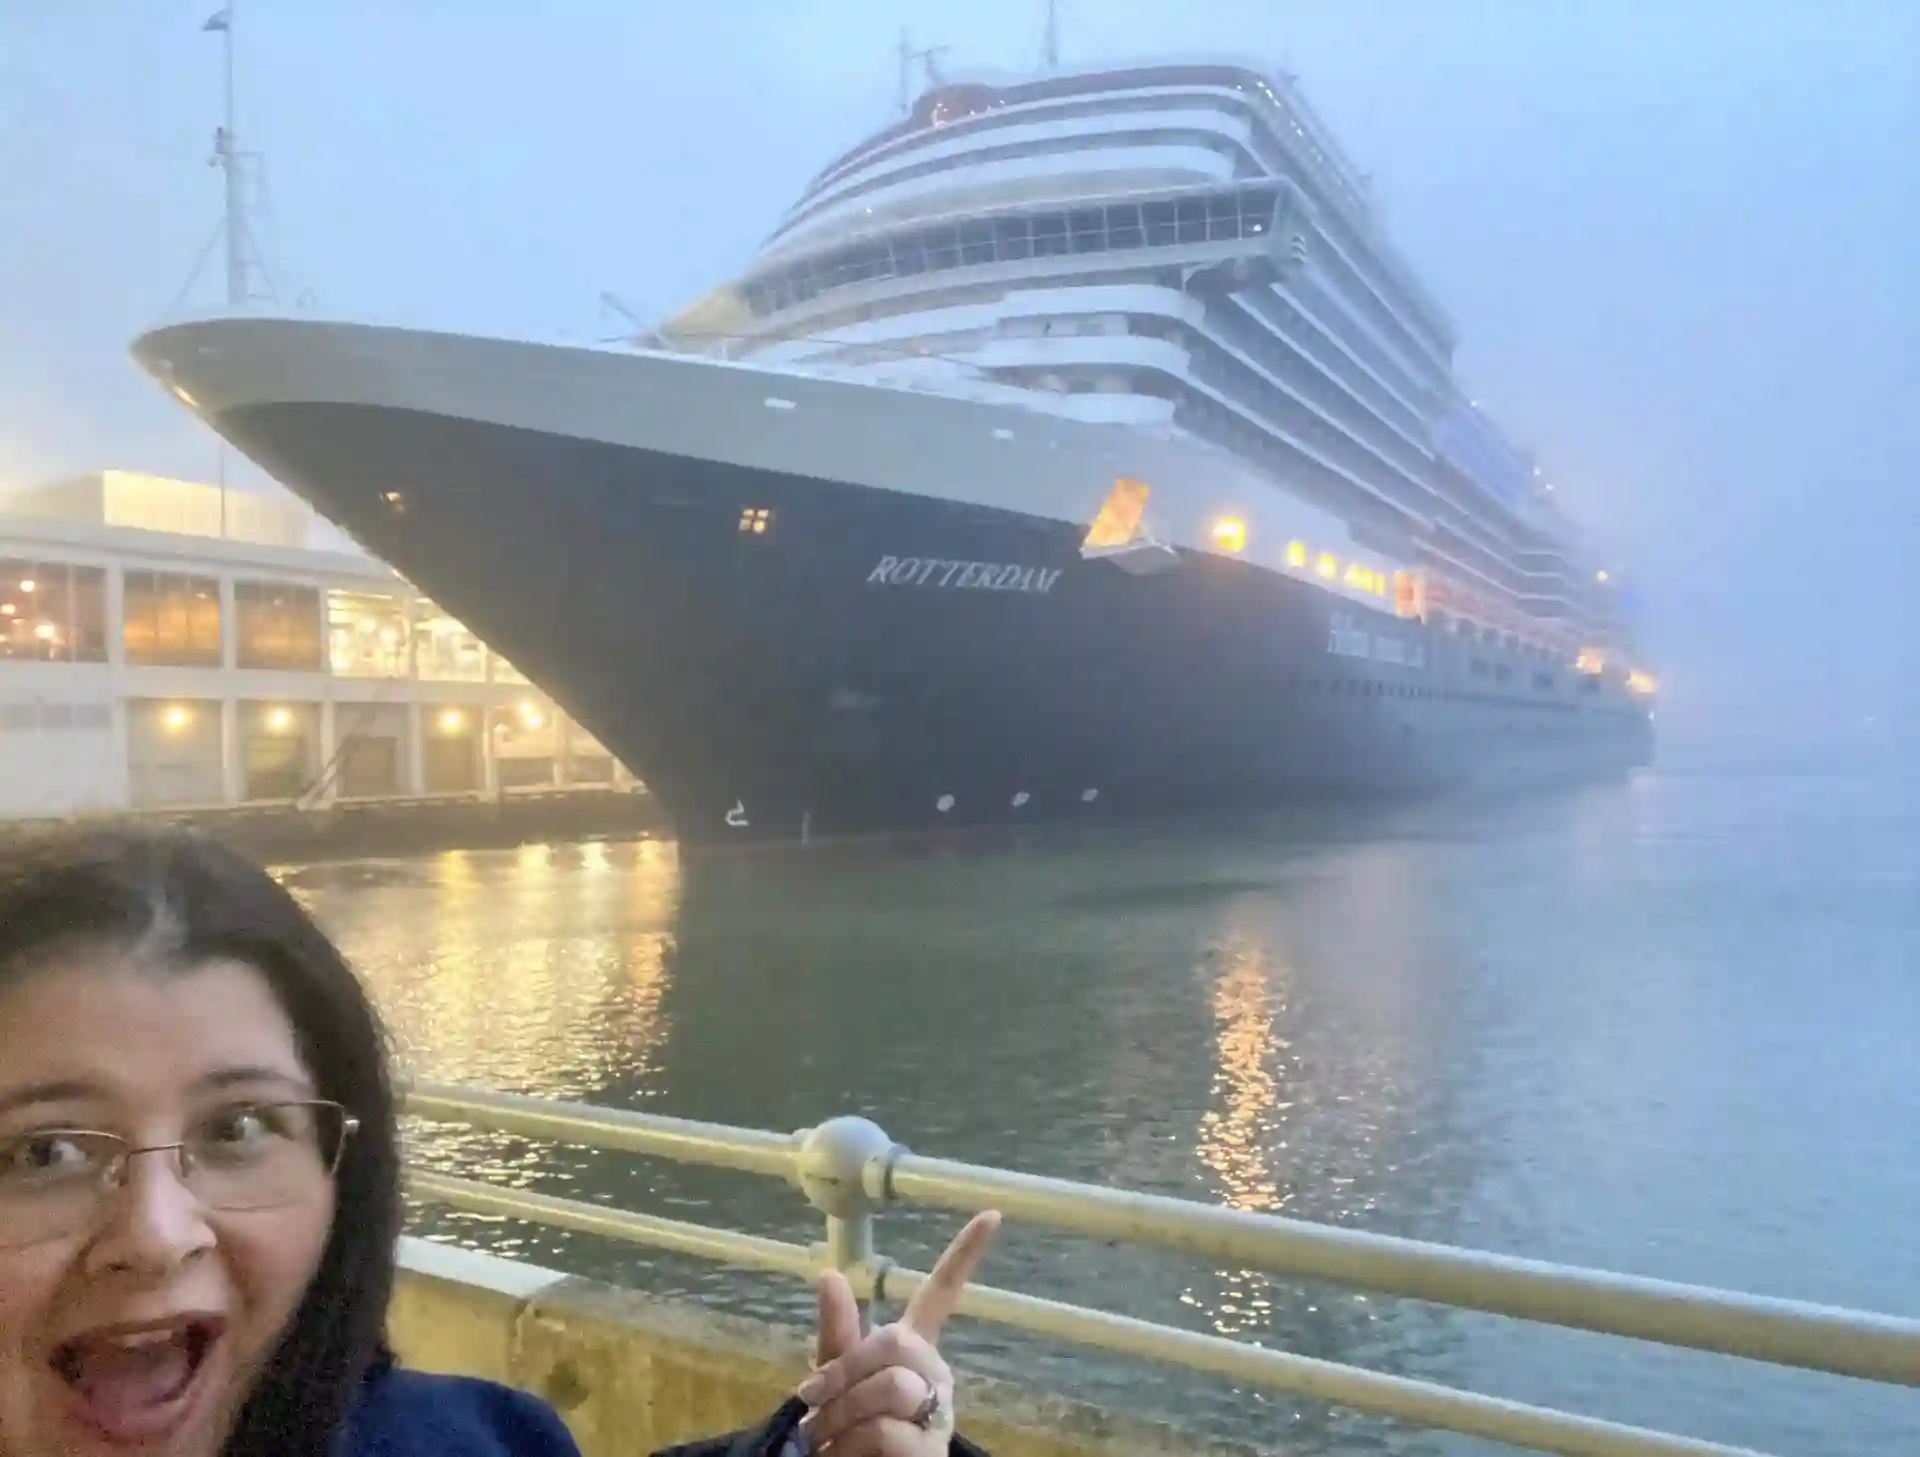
(890, 1394)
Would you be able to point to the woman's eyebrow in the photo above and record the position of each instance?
(228, 1077)
(68, 1090)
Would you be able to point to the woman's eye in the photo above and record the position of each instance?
(240, 1125)
(41, 1153)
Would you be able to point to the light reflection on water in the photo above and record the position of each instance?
(1663, 1026)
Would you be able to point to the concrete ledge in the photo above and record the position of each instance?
(632, 1373)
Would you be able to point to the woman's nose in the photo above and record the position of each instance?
(152, 1221)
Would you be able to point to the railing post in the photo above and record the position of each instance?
(842, 1169)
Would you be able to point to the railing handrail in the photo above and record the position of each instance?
(848, 1167)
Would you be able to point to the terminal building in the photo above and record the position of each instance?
(168, 644)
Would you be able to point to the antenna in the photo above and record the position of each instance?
(1050, 53)
(929, 60)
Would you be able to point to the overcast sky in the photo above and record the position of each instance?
(1678, 236)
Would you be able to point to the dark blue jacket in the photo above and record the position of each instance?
(410, 1414)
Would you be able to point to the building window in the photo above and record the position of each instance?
(51, 612)
(445, 651)
(279, 626)
(171, 621)
(367, 635)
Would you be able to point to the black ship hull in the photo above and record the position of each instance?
(780, 656)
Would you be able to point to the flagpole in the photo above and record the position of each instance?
(236, 225)
(236, 256)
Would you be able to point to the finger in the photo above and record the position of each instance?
(891, 1345)
(839, 1328)
(892, 1391)
(937, 1299)
(887, 1437)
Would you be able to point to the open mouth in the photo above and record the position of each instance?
(133, 1384)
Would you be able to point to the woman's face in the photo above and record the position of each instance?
(143, 1326)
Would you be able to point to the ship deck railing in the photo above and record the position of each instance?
(851, 1171)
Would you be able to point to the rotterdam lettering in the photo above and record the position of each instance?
(913, 571)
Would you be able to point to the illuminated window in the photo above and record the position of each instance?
(171, 621)
(279, 626)
(52, 613)
(1119, 518)
(1296, 554)
(1326, 566)
(367, 635)
(1230, 534)
(755, 520)
(444, 650)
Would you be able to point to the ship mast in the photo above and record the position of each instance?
(907, 55)
(227, 157)
(1050, 53)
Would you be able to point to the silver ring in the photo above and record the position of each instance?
(929, 1410)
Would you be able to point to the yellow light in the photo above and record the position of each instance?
(1327, 566)
(27, 584)
(45, 631)
(531, 716)
(1600, 576)
(1296, 553)
(1230, 534)
(279, 720)
(176, 719)
(1589, 661)
(1119, 519)
(452, 720)
(1642, 683)
(7, 609)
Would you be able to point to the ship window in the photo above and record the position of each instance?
(1256, 208)
(1223, 216)
(1013, 238)
(1191, 215)
(1089, 227)
(857, 265)
(1049, 235)
(909, 255)
(1123, 227)
(976, 242)
(1161, 224)
(943, 248)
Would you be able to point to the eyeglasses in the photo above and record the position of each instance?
(56, 1182)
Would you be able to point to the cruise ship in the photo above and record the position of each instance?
(1075, 446)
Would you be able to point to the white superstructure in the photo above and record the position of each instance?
(1181, 249)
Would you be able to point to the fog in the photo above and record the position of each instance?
(1678, 239)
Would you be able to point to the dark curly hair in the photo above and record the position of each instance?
(179, 900)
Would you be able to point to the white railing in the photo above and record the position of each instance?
(848, 1168)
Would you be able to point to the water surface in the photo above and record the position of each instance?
(1665, 1026)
